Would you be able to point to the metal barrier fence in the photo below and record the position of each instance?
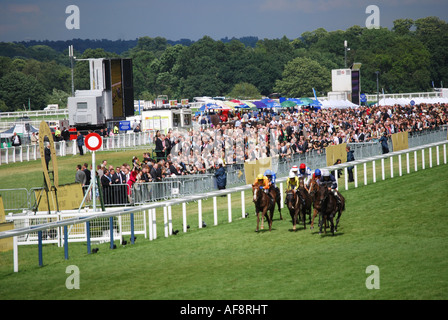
(98, 231)
(63, 148)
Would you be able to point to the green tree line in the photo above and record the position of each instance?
(412, 56)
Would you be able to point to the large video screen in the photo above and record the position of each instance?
(117, 89)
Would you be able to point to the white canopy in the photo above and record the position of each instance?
(337, 104)
(19, 129)
(407, 101)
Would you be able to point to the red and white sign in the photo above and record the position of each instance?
(93, 141)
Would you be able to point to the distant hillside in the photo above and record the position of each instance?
(116, 46)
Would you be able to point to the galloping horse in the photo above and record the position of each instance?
(314, 187)
(304, 195)
(328, 208)
(292, 202)
(262, 203)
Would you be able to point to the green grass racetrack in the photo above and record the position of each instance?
(399, 225)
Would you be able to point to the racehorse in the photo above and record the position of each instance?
(314, 187)
(306, 198)
(263, 203)
(292, 202)
(328, 208)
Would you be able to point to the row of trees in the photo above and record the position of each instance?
(410, 57)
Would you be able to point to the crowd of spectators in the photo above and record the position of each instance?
(244, 136)
(257, 134)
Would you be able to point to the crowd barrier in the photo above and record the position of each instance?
(63, 148)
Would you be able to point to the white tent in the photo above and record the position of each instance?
(407, 101)
(20, 129)
(337, 104)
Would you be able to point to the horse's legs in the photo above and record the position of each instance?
(294, 220)
(321, 225)
(262, 220)
(279, 207)
(269, 217)
(337, 220)
(303, 215)
(332, 224)
(339, 214)
(314, 216)
(293, 215)
(258, 221)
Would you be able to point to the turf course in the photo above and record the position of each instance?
(399, 225)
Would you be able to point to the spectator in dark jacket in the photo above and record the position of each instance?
(383, 141)
(221, 177)
(80, 143)
(350, 157)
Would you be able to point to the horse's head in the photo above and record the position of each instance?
(313, 187)
(255, 192)
(290, 199)
(322, 194)
(301, 182)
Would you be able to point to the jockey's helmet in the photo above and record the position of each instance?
(294, 169)
(302, 166)
(317, 173)
(260, 177)
(292, 175)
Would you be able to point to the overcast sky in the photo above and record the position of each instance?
(192, 19)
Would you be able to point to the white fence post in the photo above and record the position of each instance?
(150, 227)
(415, 161)
(408, 169)
(437, 155)
(16, 254)
(365, 173)
(423, 159)
(215, 211)
(374, 171)
(170, 221)
(200, 213)
(165, 221)
(444, 153)
(184, 215)
(229, 206)
(430, 157)
(346, 178)
(154, 224)
(243, 205)
(355, 175)
(281, 196)
(391, 167)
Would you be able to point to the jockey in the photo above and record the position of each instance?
(292, 183)
(262, 182)
(317, 176)
(329, 180)
(271, 177)
(305, 173)
(294, 170)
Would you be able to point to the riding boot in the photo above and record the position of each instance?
(338, 199)
(272, 200)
